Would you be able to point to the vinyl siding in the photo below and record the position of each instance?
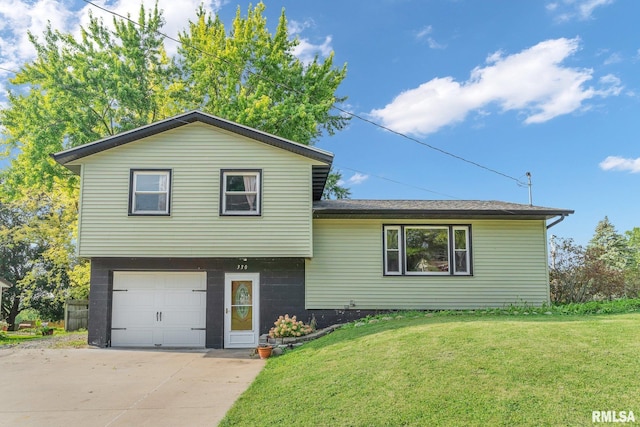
(509, 267)
(196, 153)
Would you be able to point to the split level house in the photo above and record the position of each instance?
(201, 232)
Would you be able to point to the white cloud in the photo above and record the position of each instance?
(296, 27)
(614, 58)
(424, 33)
(567, 10)
(357, 178)
(586, 8)
(616, 163)
(532, 82)
(17, 17)
(307, 51)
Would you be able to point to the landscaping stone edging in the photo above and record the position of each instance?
(265, 339)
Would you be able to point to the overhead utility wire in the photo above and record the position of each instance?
(354, 115)
(399, 182)
(440, 150)
(6, 69)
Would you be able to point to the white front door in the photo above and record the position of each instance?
(241, 310)
(158, 309)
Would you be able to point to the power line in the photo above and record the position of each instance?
(354, 115)
(399, 182)
(7, 69)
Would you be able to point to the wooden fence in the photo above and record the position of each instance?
(76, 315)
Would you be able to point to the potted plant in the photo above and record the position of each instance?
(45, 329)
(264, 351)
(4, 325)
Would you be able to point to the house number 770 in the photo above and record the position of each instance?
(242, 267)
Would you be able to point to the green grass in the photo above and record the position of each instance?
(10, 338)
(469, 369)
(77, 339)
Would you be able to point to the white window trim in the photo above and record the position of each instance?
(402, 230)
(134, 192)
(453, 241)
(386, 251)
(258, 192)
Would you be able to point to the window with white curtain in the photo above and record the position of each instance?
(241, 192)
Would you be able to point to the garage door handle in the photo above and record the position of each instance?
(161, 316)
(198, 329)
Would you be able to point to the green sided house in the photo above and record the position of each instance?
(201, 232)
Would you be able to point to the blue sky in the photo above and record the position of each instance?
(547, 87)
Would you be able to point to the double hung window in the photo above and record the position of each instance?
(150, 192)
(427, 250)
(241, 193)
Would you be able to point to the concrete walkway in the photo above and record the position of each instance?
(108, 387)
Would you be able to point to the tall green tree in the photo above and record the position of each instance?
(248, 75)
(610, 246)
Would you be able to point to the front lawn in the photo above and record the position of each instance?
(7, 338)
(453, 370)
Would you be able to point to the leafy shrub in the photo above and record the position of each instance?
(579, 275)
(287, 326)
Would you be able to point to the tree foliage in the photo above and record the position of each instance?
(36, 256)
(607, 268)
(250, 76)
(106, 81)
(610, 245)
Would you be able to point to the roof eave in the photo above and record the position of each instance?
(436, 214)
(66, 156)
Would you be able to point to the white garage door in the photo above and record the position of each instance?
(158, 309)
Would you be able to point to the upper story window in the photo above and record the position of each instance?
(150, 192)
(241, 192)
(427, 250)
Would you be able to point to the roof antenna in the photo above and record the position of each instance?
(529, 185)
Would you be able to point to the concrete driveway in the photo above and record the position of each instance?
(109, 387)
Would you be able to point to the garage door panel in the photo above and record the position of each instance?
(185, 319)
(178, 337)
(159, 309)
(182, 280)
(182, 298)
(132, 337)
(138, 279)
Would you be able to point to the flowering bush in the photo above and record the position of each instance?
(287, 326)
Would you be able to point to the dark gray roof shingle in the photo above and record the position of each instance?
(436, 209)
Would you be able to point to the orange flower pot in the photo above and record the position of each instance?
(264, 352)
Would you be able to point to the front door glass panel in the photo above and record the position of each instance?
(241, 305)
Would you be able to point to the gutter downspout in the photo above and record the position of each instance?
(558, 221)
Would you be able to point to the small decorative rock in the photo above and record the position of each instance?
(276, 351)
(399, 317)
(357, 325)
(373, 321)
(548, 313)
(387, 318)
